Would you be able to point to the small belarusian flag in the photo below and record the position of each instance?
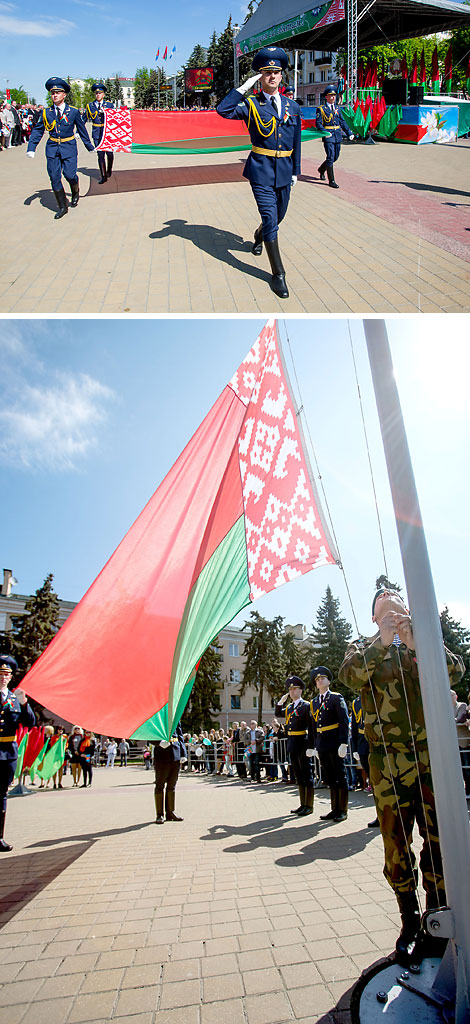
(21, 750)
(435, 77)
(414, 70)
(165, 54)
(157, 54)
(448, 69)
(422, 69)
(404, 68)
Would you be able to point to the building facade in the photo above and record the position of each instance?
(316, 71)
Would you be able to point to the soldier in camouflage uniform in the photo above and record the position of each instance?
(385, 670)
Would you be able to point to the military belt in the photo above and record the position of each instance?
(361, 732)
(302, 733)
(326, 728)
(70, 138)
(7, 739)
(271, 152)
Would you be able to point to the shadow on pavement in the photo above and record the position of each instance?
(46, 199)
(214, 242)
(26, 875)
(421, 188)
(91, 836)
(274, 834)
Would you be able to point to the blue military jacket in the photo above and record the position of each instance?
(275, 154)
(331, 721)
(299, 725)
(176, 750)
(60, 131)
(330, 119)
(12, 714)
(96, 116)
(359, 743)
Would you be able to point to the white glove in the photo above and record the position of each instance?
(356, 756)
(246, 86)
(351, 138)
(294, 180)
(32, 155)
(164, 744)
(342, 749)
(310, 752)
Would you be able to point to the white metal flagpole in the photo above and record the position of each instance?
(454, 832)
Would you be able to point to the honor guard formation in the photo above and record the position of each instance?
(60, 122)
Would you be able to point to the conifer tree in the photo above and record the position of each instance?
(457, 638)
(330, 637)
(294, 662)
(263, 667)
(205, 699)
(32, 632)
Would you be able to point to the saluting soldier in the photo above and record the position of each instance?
(14, 709)
(60, 122)
(385, 669)
(359, 744)
(274, 124)
(330, 715)
(94, 112)
(167, 759)
(330, 119)
(300, 737)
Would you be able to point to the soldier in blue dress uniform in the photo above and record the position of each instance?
(167, 759)
(300, 738)
(330, 119)
(94, 113)
(60, 122)
(272, 167)
(330, 716)
(14, 710)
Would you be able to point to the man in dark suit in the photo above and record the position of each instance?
(330, 716)
(300, 737)
(14, 709)
(273, 165)
(167, 759)
(60, 122)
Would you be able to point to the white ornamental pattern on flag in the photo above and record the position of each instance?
(117, 132)
(285, 535)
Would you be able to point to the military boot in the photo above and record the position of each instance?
(334, 807)
(301, 806)
(170, 806)
(342, 805)
(331, 177)
(410, 926)
(308, 807)
(321, 170)
(61, 199)
(110, 157)
(159, 820)
(102, 167)
(429, 944)
(278, 279)
(4, 847)
(257, 246)
(74, 185)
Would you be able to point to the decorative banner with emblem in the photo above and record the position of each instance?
(317, 17)
(235, 517)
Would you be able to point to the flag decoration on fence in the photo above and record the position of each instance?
(236, 516)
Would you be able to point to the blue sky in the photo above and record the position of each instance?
(102, 37)
(94, 413)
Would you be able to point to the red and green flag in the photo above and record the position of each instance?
(53, 759)
(422, 69)
(414, 70)
(435, 77)
(21, 750)
(404, 67)
(468, 76)
(448, 70)
(236, 516)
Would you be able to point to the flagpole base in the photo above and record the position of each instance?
(403, 995)
(21, 790)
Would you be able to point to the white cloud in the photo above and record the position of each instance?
(45, 26)
(53, 426)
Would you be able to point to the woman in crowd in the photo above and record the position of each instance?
(86, 751)
(73, 746)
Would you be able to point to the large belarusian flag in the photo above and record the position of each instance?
(235, 517)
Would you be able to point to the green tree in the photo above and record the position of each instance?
(117, 96)
(460, 55)
(74, 97)
(109, 88)
(330, 637)
(384, 582)
(263, 667)
(32, 632)
(204, 699)
(294, 659)
(87, 92)
(457, 638)
(223, 61)
(141, 81)
(198, 57)
(19, 95)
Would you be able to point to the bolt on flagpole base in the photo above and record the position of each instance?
(390, 994)
(21, 790)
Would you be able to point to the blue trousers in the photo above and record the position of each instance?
(332, 150)
(62, 160)
(272, 204)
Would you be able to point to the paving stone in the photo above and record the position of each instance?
(267, 1009)
(310, 1001)
(230, 1011)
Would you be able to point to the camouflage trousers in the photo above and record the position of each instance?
(403, 793)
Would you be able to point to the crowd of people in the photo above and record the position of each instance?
(17, 121)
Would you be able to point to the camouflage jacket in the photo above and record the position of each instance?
(388, 680)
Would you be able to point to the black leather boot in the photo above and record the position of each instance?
(257, 247)
(331, 177)
(159, 820)
(410, 926)
(278, 280)
(102, 167)
(321, 170)
(342, 808)
(334, 807)
(4, 847)
(110, 157)
(74, 185)
(308, 808)
(301, 806)
(61, 199)
(170, 806)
